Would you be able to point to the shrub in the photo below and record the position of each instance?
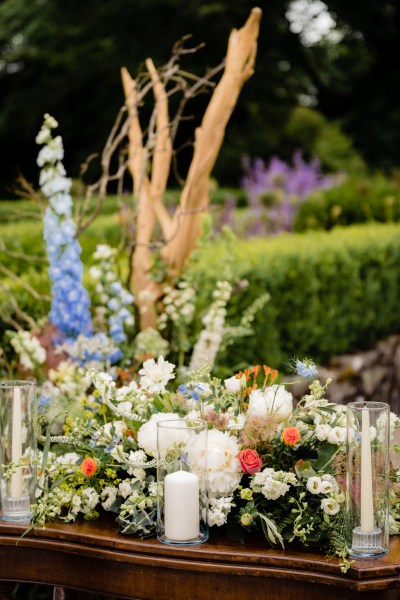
(357, 200)
(331, 292)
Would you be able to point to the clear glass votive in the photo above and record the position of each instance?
(182, 485)
(367, 484)
(17, 449)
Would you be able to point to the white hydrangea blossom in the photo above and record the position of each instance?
(207, 346)
(272, 484)
(29, 349)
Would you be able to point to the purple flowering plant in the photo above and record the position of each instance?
(274, 192)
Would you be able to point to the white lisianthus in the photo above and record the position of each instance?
(233, 384)
(155, 375)
(223, 466)
(322, 431)
(147, 434)
(314, 485)
(329, 485)
(337, 435)
(273, 400)
(330, 506)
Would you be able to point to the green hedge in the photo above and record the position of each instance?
(331, 292)
(357, 200)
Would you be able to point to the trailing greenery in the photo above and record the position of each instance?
(331, 292)
(357, 200)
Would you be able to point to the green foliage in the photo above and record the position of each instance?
(310, 131)
(357, 200)
(331, 292)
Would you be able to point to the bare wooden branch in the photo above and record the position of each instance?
(239, 66)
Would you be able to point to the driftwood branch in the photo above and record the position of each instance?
(239, 66)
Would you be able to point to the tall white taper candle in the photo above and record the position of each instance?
(367, 502)
(16, 444)
(181, 506)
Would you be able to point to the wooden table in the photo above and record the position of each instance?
(93, 557)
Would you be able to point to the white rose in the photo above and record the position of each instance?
(233, 384)
(273, 400)
(337, 435)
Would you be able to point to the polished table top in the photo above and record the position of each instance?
(94, 557)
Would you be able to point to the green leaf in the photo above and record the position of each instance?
(325, 455)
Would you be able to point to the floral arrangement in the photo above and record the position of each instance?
(273, 468)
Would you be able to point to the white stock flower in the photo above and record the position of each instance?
(273, 400)
(155, 375)
(272, 484)
(218, 511)
(223, 466)
(90, 498)
(330, 506)
(125, 488)
(108, 495)
(29, 349)
(147, 434)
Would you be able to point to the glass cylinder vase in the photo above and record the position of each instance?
(17, 449)
(182, 485)
(367, 485)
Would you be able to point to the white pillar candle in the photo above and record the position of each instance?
(181, 506)
(367, 502)
(16, 444)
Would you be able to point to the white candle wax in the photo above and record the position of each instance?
(16, 444)
(367, 503)
(181, 506)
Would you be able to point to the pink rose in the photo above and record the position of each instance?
(250, 461)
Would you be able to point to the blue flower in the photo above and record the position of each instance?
(306, 368)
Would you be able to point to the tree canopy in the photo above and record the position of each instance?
(65, 58)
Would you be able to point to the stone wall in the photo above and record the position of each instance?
(372, 375)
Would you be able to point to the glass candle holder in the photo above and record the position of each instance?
(182, 486)
(17, 449)
(367, 485)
